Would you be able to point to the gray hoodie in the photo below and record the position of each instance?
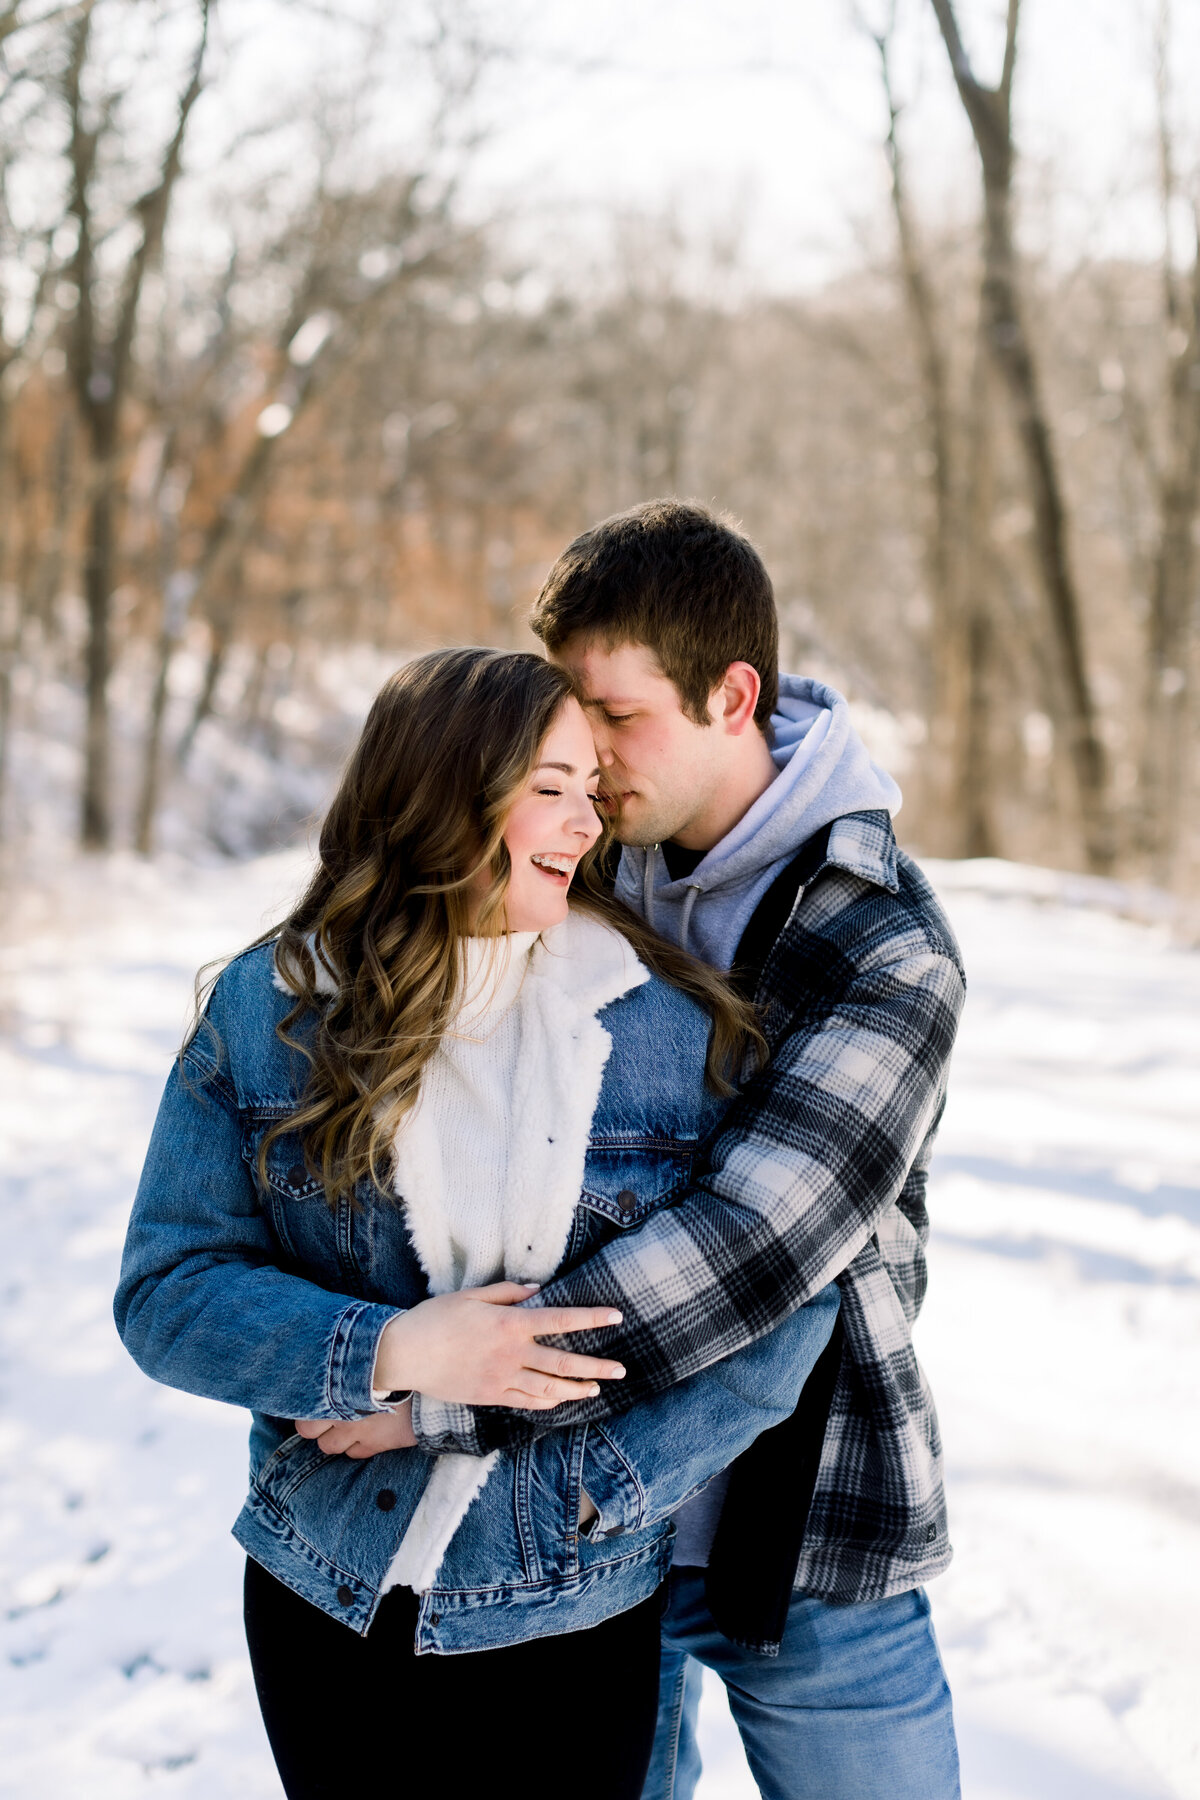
(824, 773)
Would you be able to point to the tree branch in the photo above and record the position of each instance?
(960, 62)
(986, 108)
(1010, 52)
(81, 154)
(153, 208)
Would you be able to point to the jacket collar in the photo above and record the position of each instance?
(863, 844)
(588, 962)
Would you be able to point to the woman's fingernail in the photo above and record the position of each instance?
(593, 1391)
(618, 1373)
(614, 1318)
(533, 1286)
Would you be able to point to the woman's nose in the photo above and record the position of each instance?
(587, 825)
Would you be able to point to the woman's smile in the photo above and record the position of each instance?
(556, 865)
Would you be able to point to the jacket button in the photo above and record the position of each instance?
(297, 1174)
(930, 1533)
(626, 1200)
(385, 1499)
(346, 1596)
(435, 1618)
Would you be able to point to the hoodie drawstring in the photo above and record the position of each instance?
(648, 885)
(686, 917)
(689, 902)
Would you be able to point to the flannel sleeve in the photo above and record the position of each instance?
(803, 1167)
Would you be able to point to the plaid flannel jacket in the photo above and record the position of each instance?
(816, 1172)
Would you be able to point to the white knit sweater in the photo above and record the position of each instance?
(490, 1163)
(467, 1099)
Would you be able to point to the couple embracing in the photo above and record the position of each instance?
(564, 1236)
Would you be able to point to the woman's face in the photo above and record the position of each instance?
(552, 823)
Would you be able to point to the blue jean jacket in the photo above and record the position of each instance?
(264, 1296)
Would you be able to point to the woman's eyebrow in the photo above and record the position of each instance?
(567, 768)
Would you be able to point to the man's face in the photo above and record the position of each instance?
(665, 766)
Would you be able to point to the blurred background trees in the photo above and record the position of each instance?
(279, 405)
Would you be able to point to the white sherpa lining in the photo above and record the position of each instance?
(575, 970)
(325, 981)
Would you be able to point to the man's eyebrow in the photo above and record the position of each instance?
(567, 768)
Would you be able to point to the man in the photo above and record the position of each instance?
(756, 833)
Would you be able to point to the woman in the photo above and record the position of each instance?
(436, 1086)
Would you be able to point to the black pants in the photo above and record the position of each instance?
(351, 1716)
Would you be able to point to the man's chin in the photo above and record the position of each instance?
(639, 831)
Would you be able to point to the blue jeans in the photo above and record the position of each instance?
(854, 1707)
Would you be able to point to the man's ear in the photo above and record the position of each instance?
(732, 703)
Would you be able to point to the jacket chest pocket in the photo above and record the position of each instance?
(624, 1182)
(312, 1233)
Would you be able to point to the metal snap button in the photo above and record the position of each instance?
(385, 1499)
(346, 1596)
(435, 1618)
(626, 1199)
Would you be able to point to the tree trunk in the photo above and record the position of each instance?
(975, 582)
(100, 365)
(177, 593)
(95, 817)
(1172, 586)
(950, 678)
(1010, 349)
(974, 765)
(10, 650)
(221, 637)
(1171, 603)
(1008, 341)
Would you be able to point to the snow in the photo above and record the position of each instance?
(1062, 1336)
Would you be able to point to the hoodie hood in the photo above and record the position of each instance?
(824, 773)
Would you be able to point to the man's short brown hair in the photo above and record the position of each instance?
(680, 580)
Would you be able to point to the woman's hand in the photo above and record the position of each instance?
(479, 1348)
(359, 1438)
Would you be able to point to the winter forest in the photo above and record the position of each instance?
(280, 386)
(323, 327)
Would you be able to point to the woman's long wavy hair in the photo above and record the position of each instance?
(373, 950)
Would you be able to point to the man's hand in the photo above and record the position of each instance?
(359, 1438)
(479, 1348)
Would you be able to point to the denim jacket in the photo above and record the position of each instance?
(264, 1296)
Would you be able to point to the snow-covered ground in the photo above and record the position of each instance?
(1062, 1334)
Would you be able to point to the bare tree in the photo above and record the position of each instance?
(25, 249)
(959, 774)
(1176, 482)
(989, 111)
(331, 326)
(100, 363)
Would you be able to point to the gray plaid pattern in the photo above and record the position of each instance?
(817, 1172)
